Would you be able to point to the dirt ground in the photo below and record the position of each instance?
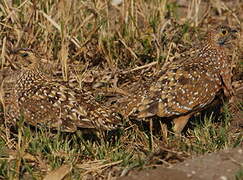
(223, 165)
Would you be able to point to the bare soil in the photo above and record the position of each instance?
(222, 165)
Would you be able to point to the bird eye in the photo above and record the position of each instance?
(24, 54)
(224, 32)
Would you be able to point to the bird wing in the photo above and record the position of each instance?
(181, 89)
(57, 105)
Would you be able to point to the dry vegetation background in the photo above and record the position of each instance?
(93, 41)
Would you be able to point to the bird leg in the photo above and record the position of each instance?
(164, 131)
(180, 122)
(226, 78)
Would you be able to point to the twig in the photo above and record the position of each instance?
(126, 46)
(141, 67)
(58, 27)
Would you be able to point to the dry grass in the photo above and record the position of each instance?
(95, 36)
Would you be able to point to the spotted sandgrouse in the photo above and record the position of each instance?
(32, 93)
(187, 87)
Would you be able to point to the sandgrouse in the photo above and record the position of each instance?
(186, 87)
(32, 93)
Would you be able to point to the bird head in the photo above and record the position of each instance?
(222, 35)
(24, 58)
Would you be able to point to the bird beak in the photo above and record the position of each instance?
(12, 51)
(11, 60)
(234, 31)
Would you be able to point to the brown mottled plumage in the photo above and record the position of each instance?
(186, 87)
(32, 93)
